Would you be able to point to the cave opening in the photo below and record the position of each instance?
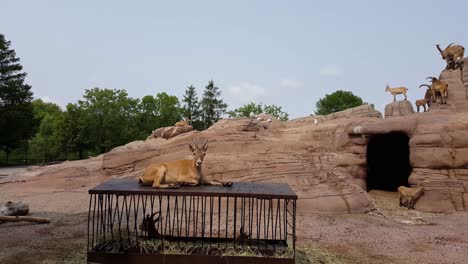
(388, 164)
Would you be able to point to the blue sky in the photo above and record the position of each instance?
(289, 53)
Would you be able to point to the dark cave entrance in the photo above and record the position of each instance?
(388, 165)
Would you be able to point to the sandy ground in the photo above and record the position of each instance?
(388, 235)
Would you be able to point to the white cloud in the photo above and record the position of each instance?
(291, 83)
(47, 99)
(245, 92)
(330, 70)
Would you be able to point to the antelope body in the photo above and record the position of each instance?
(421, 102)
(452, 54)
(173, 174)
(395, 91)
(183, 122)
(438, 86)
(410, 195)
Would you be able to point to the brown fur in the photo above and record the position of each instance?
(452, 54)
(421, 102)
(395, 91)
(183, 122)
(173, 174)
(437, 86)
(410, 195)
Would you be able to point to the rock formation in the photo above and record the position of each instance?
(170, 132)
(399, 108)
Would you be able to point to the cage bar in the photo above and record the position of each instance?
(246, 221)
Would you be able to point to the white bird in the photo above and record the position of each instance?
(269, 120)
(252, 115)
(315, 121)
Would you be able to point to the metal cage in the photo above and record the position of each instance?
(239, 224)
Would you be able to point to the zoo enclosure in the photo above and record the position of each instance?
(212, 224)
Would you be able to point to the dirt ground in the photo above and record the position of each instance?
(389, 234)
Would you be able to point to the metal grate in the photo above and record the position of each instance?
(248, 219)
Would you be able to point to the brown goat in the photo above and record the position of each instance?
(410, 195)
(452, 55)
(421, 102)
(173, 174)
(437, 86)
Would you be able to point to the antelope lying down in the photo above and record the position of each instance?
(410, 195)
(173, 174)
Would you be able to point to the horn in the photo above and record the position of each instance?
(424, 85)
(438, 47)
(450, 44)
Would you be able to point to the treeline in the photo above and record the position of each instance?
(107, 118)
(34, 131)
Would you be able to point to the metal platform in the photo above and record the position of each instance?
(244, 223)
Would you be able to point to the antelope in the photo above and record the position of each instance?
(410, 195)
(395, 91)
(421, 102)
(437, 86)
(183, 122)
(453, 54)
(174, 174)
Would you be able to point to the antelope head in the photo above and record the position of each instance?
(443, 53)
(198, 148)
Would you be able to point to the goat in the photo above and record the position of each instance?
(183, 122)
(396, 90)
(421, 102)
(452, 54)
(410, 195)
(437, 86)
(173, 174)
(149, 225)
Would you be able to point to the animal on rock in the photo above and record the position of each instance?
(421, 102)
(173, 174)
(395, 91)
(183, 122)
(453, 55)
(437, 86)
(410, 195)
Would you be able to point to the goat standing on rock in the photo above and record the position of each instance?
(177, 173)
(437, 86)
(453, 55)
(395, 91)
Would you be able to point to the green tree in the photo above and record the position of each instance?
(112, 118)
(16, 112)
(252, 108)
(169, 110)
(191, 108)
(213, 106)
(160, 111)
(76, 130)
(337, 101)
(48, 141)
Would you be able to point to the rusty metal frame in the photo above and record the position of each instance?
(208, 221)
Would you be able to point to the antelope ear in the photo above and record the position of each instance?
(205, 147)
(192, 147)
